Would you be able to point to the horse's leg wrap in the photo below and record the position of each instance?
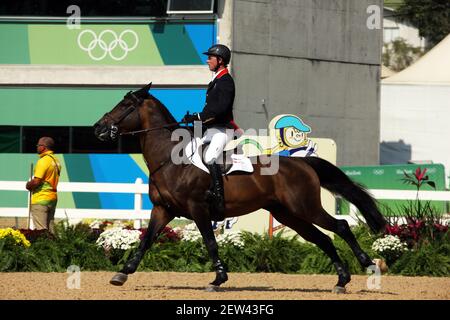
(221, 274)
(130, 267)
(343, 274)
(132, 264)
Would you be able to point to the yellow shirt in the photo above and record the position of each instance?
(48, 170)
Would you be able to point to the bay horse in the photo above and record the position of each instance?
(292, 195)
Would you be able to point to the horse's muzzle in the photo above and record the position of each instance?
(101, 132)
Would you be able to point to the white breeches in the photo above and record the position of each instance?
(218, 139)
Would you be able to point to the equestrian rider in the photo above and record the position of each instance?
(217, 117)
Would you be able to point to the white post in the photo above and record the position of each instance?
(29, 214)
(137, 204)
(353, 213)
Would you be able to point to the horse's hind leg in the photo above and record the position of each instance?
(310, 233)
(202, 219)
(159, 219)
(342, 229)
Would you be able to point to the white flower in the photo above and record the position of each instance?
(95, 224)
(389, 245)
(232, 237)
(118, 238)
(190, 233)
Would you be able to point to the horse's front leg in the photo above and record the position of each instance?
(203, 222)
(159, 219)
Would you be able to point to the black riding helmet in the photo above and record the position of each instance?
(219, 50)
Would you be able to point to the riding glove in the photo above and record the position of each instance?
(188, 118)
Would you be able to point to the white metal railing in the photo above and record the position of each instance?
(410, 195)
(385, 194)
(137, 213)
(138, 189)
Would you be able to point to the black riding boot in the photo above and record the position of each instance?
(216, 192)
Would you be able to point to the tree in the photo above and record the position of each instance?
(431, 17)
(399, 55)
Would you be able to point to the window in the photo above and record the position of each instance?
(84, 141)
(16, 139)
(190, 6)
(9, 139)
(31, 135)
(89, 8)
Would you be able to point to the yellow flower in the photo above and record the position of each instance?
(16, 235)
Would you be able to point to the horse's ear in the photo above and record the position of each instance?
(144, 91)
(147, 87)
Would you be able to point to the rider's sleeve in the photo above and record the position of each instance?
(219, 103)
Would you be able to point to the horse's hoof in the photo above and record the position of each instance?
(212, 288)
(338, 290)
(119, 279)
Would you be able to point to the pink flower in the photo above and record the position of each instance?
(393, 230)
(420, 174)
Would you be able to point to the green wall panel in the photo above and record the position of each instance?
(72, 45)
(175, 45)
(61, 106)
(80, 171)
(14, 44)
(132, 44)
(15, 168)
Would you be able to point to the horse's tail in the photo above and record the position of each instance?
(336, 181)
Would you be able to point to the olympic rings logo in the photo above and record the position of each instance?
(107, 48)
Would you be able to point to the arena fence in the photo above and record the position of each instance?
(139, 189)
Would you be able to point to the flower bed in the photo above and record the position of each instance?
(106, 246)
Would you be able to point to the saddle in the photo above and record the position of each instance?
(232, 161)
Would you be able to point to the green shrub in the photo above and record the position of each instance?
(315, 262)
(15, 258)
(75, 245)
(183, 256)
(279, 254)
(430, 259)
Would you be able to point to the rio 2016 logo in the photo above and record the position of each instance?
(117, 48)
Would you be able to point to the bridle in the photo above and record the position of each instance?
(136, 103)
(114, 129)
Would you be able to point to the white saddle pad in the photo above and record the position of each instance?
(192, 151)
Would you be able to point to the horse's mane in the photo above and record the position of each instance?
(144, 93)
(169, 117)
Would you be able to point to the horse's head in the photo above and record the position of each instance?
(123, 117)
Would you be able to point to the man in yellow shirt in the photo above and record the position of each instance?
(43, 186)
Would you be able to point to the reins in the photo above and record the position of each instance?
(151, 129)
